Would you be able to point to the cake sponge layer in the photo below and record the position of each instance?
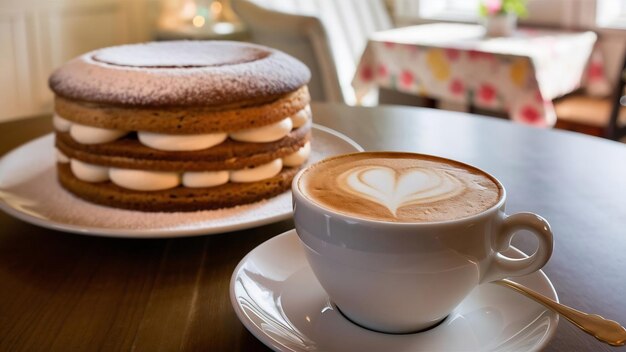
(230, 155)
(182, 120)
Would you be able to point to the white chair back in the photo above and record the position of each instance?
(327, 35)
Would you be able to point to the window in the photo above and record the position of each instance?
(449, 9)
(611, 13)
(552, 13)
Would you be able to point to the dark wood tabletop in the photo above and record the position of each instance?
(68, 292)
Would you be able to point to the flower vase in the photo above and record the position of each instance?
(500, 25)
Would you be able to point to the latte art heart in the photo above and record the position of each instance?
(399, 187)
(394, 190)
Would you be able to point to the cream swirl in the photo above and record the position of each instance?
(396, 189)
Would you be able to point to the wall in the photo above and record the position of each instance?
(36, 36)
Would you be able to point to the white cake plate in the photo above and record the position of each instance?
(29, 191)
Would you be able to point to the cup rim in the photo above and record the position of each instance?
(296, 193)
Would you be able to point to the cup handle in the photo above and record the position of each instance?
(503, 266)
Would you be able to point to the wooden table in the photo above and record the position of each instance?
(70, 293)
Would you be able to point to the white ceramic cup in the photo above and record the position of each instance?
(406, 277)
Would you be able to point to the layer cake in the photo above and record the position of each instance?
(181, 126)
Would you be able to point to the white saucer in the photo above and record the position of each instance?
(277, 298)
(29, 191)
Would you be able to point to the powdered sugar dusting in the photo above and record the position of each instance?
(29, 190)
(179, 73)
(180, 54)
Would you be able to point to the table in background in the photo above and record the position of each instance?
(520, 74)
(69, 292)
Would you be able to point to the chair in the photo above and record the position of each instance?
(582, 113)
(327, 35)
(617, 129)
(595, 116)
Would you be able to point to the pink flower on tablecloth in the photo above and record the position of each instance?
(406, 78)
(538, 96)
(530, 114)
(382, 71)
(367, 74)
(596, 71)
(457, 87)
(475, 55)
(452, 54)
(487, 93)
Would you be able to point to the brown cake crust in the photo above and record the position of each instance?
(180, 73)
(182, 120)
(176, 199)
(129, 153)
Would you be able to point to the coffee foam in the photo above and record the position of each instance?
(399, 187)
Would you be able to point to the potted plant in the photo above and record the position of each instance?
(500, 16)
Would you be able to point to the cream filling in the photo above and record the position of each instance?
(168, 142)
(265, 134)
(61, 124)
(257, 173)
(144, 180)
(299, 157)
(205, 178)
(171, 142)
(301, 117)
(89, 172)
(61, 157)
(94, 135)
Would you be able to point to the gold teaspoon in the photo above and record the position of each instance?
(605, 330)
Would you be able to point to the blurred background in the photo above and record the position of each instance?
(36, 36)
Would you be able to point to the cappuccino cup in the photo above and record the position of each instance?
(398, 240)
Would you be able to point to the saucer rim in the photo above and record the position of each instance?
(277, 347)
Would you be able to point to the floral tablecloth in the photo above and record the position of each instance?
(521, 74)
